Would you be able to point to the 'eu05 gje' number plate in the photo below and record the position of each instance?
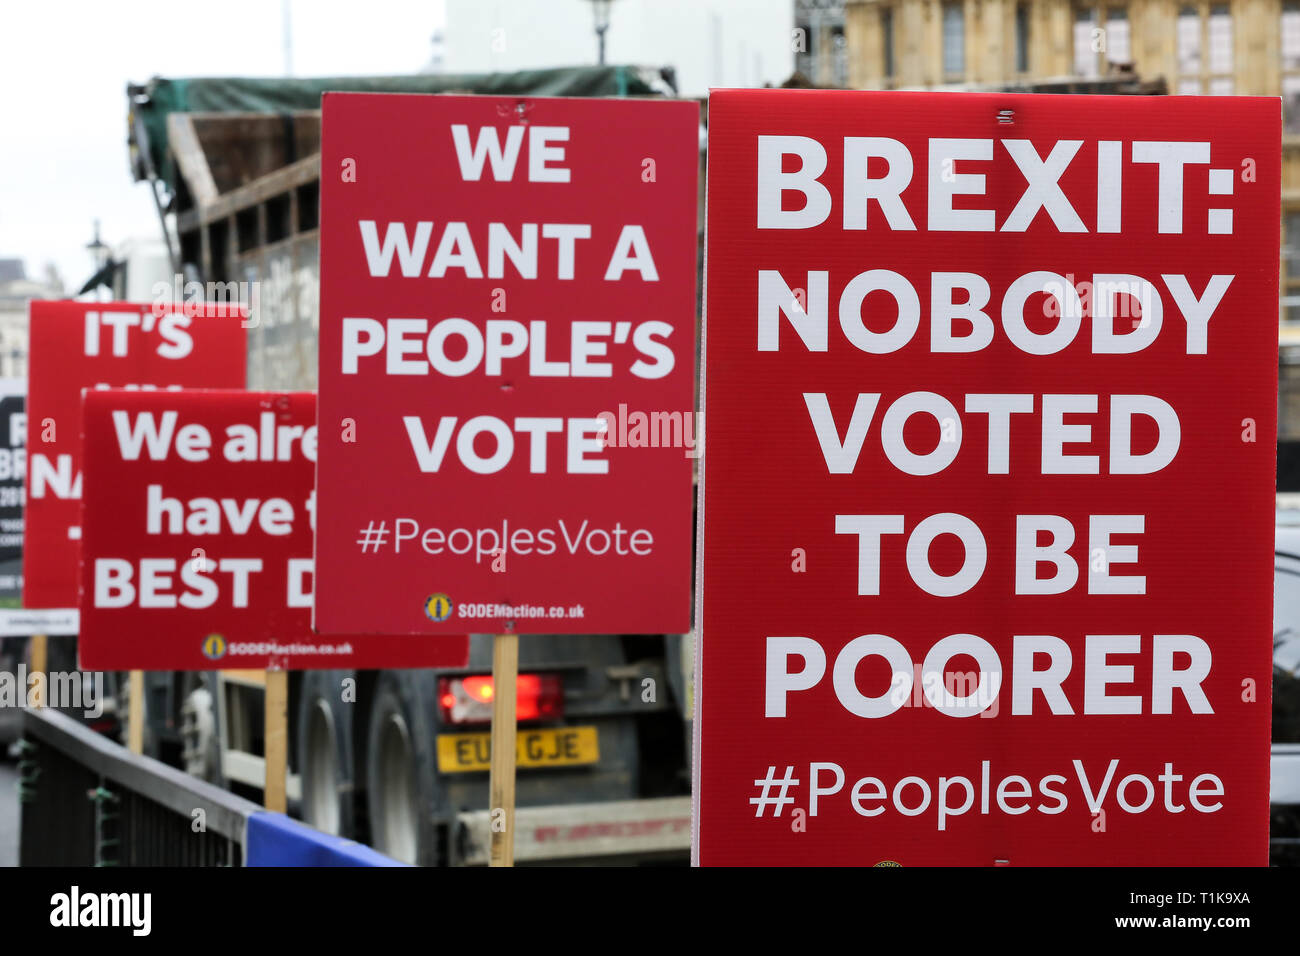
(549, 747)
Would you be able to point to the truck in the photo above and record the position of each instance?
(1284, 770)
(398, 759)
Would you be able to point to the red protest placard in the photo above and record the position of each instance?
(507, 345)
(988, 502)
(198, 517)
(80, 345)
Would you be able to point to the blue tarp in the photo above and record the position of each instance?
(275, 840)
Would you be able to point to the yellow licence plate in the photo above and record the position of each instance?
(554, 747)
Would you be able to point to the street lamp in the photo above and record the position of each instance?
(600, 11)
(103, 257)
(98, 249)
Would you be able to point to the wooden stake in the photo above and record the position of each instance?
(277, 739)
(39, 658)
(501, 778)
(135, 713)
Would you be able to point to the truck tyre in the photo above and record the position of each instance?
(400, 768)
(325, 752)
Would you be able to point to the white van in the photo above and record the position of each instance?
(1284, 784)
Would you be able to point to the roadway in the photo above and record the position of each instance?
(8, 812)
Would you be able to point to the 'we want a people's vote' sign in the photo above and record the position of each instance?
(505, 285)
(988, 494)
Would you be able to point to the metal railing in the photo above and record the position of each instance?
(87, 801)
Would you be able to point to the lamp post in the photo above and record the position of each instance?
(600, 11)
(100, 252)
(98, 249)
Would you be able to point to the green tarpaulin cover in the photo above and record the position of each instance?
(279, 95)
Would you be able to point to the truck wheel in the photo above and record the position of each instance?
(400, 769)
(325, 752)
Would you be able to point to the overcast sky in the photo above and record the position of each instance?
(64, 66)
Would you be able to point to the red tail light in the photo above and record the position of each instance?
(468, 700)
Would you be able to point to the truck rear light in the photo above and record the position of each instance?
(468, 700)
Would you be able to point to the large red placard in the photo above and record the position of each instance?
(198, 518)
(988, 501)
(80, 345)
